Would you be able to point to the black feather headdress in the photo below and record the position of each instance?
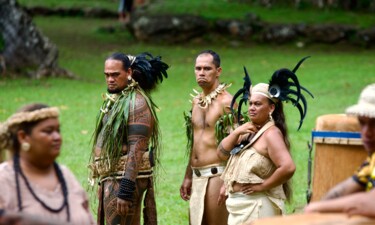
(284, 86)
(153, 70)
(245, 91)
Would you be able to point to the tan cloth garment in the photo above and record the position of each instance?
(77, 197)
(248, 166)
(199, 189)
(248, 208)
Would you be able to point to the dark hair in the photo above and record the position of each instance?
(121, 57)
(148, 71)
(215, 56)
(27, 127)
(279, 119)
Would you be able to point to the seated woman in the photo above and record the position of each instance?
(260, 164)
(32, 183)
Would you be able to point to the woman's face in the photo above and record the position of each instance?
(259, 109)
(45, 141)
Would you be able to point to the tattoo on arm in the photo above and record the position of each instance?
(139, 132)
(223, 151)
(335, 193)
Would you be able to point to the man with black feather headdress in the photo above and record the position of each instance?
(210, 108)
(126, 140)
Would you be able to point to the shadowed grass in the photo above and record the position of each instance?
(220, 9)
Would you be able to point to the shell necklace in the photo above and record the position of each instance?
(205, 101)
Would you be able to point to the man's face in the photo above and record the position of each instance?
(206, 73)
(368, 133)
(115, 75)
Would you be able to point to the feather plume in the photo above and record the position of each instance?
(284, 85)
(152, 67)
(245, 91)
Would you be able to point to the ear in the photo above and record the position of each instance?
(129, 71)
(219, 69)
(272, 108)
(22, 136)
(129, 75)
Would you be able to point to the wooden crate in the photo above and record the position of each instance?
(338, 152)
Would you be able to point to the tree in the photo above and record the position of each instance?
(25, 48)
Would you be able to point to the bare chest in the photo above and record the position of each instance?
(206, 118)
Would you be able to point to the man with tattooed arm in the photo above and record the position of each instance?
(126, 140)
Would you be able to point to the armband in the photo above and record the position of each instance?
(223, 150)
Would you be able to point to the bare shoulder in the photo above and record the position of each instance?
(225, 98)
(194, 101)
(273, 132)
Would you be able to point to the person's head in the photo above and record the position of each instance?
(207, 69)
(33, 133)
(120, 70)
(365, 112)
(261, 105)
(117, 72)
(263, 108)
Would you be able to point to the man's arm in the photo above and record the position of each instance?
(139, 132)
(185, 189)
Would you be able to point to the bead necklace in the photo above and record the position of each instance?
(18, 171)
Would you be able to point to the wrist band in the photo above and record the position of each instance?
(126, 190)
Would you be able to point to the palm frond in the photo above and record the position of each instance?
(189, 132)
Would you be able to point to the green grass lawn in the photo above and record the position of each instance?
(334, 74)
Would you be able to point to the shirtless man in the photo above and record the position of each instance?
(201, 184)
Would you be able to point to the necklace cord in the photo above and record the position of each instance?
(64, 189)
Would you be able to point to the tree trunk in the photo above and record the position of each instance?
(26, 49)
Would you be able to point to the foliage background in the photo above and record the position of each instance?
(334, 74)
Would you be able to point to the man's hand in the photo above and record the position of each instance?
(185, 189)
(123, 206)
